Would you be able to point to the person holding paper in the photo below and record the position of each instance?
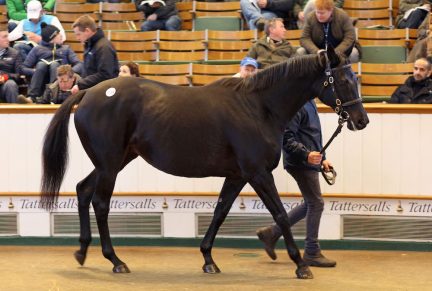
(160, 14)
(42, 62)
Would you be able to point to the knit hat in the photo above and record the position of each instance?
(49, 32)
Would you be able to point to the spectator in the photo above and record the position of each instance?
(100, 57)
(159, 14)
(328, 26)
(256, 12)
(248, 67)
(273, 47)
(418, 87)
(304, 7)
(411, 13)
(129, 69)
(10, 67)
(16, 11)
(57, 92)
(42, 62)
(302, 143)
(30, 28)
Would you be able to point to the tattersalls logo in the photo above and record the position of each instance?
(72, 204)
(180, 203)
(417, 207)
(349, 206)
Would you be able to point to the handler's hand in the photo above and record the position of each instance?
(314, 158)
(327, 165)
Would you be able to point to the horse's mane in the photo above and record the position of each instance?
(298, 66)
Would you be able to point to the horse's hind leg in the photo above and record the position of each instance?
(230, 190)
(85, 190)
(101, 204)
(263, 184)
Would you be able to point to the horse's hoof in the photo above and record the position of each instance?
(304, 273)
(211, 269)
(121, 269)
(80, 257)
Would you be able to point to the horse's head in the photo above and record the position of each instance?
(338, 90)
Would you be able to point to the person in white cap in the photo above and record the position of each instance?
(30, 29)
(248, 67)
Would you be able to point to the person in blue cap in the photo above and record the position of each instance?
(248, 67)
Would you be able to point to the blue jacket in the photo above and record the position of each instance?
(46, 51)
(302, 135)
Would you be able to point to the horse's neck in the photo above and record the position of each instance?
(284, 99)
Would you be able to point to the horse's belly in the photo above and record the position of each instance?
(193, 165)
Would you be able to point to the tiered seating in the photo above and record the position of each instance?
(121, 16)
(180, 46)
(203, 74)
(379, 81)
(293, 36)
(175, 74)
(134, 46)
(185, 12)
(67, 13)
(216, 15)
(3, 17)
(229, 45)
(368, 13)
(75, 45)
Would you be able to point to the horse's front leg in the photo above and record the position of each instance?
(263, 184)
(101, 205)
(85, 190)
(230, 190)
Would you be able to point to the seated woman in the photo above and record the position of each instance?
(129, 69)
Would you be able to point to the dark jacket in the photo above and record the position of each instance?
(280, 7)
(405, 93)
(49, 52)
(268, 54)
(163, 12)
(341, 33)
(11, 63)
(100, 61)
(53, 94)
(302, 136)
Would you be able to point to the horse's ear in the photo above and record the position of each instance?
(322, 58)
(333, 56)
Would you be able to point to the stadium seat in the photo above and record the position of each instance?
(203, 74)
(174, 74)
(384, 54)
(229, 45)
(379, 81)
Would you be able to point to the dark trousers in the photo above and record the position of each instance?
(311, 208)
(414, 20)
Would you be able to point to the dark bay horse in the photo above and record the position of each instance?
(231, 128)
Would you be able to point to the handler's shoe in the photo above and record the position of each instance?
(318, 260)
(266, 235)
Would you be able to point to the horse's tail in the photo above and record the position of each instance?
(55, 151)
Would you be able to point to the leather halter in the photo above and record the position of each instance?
(330, 176)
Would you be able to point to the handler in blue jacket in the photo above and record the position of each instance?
(302, 143)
